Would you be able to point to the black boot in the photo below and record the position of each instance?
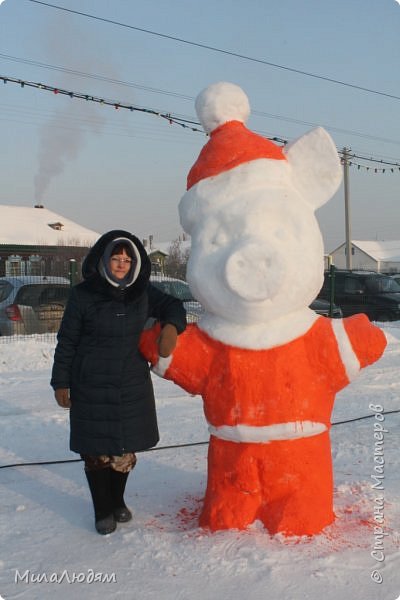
(100, 488)
(121, 512)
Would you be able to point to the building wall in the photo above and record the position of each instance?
(364, 262)
(40, 260)
(390, 267)
(360, 260)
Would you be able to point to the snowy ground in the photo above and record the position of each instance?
(46, 522)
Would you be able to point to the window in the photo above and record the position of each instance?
(57, 226)
(54, 295)
(353, 285)
(385, 285)
(5, 290)
(35, 265)
(15, 265)
(34, 295)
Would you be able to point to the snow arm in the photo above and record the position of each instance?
(360, 343)
(368, 340)
(189, 364)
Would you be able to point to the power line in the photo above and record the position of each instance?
(172, 119)
(185, 123)
(219, 50)
(348, 158)
(376, 160)
(72, 460)
(175, 446)
(103, 78)
(328, 127)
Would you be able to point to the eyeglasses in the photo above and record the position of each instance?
(124, 261)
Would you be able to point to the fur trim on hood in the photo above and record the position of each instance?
(132, 275)
(93, 266)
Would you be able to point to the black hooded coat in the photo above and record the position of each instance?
(97, 357)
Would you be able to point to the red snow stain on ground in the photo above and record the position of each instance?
(186, 519)
(188, 516)
(156, 523)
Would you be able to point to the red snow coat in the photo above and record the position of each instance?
(269, 416)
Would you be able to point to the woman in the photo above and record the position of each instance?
(99, 373)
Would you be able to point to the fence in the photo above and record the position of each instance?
(32, 305)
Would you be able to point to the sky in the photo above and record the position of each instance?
(162, 554)
(108, 168)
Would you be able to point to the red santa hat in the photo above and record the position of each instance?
(223, 108)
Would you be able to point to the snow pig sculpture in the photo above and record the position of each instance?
(267, 366)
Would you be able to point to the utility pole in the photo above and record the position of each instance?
(345, 161)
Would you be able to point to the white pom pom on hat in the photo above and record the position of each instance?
(222, 102)
(223, 109)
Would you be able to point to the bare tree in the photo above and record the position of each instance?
(176, 261)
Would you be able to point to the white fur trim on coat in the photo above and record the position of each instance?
(162, 365)
(347, 354)
(269, 433)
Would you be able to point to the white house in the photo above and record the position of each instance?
(37, 241)
(382, 257)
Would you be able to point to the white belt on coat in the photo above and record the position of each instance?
(268, 433)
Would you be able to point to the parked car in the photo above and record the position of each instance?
(32, 304)
(396, 278)
(179, 289)
(375, 294)
(322, 307)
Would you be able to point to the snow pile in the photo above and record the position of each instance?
(26, 353)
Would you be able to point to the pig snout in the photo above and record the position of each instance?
(254, 272)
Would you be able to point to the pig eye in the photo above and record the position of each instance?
(220, 239)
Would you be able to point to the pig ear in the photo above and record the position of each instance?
(314, 159)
